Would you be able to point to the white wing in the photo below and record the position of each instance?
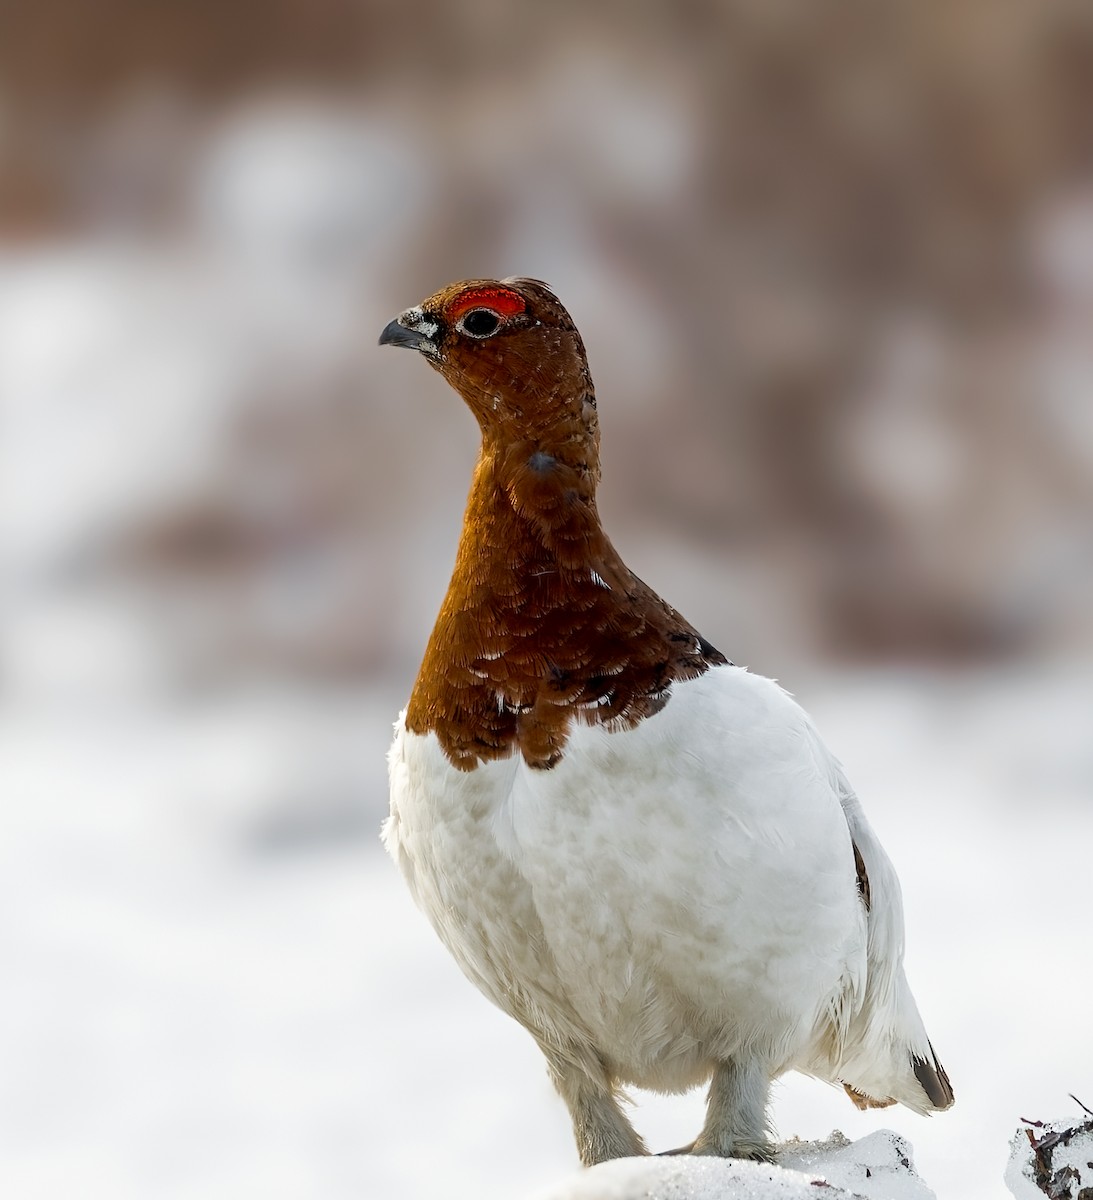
(885, 1054)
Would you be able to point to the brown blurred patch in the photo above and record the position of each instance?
(803, 185)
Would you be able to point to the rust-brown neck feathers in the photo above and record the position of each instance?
(542, 623)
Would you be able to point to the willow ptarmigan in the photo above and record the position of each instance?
(643, 853)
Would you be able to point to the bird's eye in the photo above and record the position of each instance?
(480, 323)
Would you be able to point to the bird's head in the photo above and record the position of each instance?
(511, 351)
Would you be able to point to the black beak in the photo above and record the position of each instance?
(395, 334)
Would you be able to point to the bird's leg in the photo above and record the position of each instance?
(599, 1124)
(736, 1112)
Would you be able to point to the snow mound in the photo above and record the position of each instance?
(877, 1167)
(685, 1178)
(1052, 1158)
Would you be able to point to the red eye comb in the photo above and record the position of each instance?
(503, 301)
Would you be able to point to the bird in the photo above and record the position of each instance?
(642, 852)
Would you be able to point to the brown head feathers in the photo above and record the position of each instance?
(543, 623)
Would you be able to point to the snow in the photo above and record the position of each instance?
(1052, 1158)
(686, 1179)
(217, 986)
(877, 1167)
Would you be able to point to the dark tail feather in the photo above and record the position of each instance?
(935, 1083)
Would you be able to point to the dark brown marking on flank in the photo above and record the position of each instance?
(863, 878)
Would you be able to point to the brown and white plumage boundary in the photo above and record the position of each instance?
(642, 852)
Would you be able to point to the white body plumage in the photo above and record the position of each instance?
(671, 896)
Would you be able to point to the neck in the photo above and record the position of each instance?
(542, 621)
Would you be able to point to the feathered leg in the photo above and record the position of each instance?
(599, 1124)
(736, 1113)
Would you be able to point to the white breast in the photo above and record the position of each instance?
(663, 895)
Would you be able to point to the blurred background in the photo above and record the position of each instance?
(834, 266)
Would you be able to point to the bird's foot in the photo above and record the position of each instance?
(597, 1148)
(747, 1148)
(751, 1149)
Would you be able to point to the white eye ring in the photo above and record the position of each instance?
(480, 333)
